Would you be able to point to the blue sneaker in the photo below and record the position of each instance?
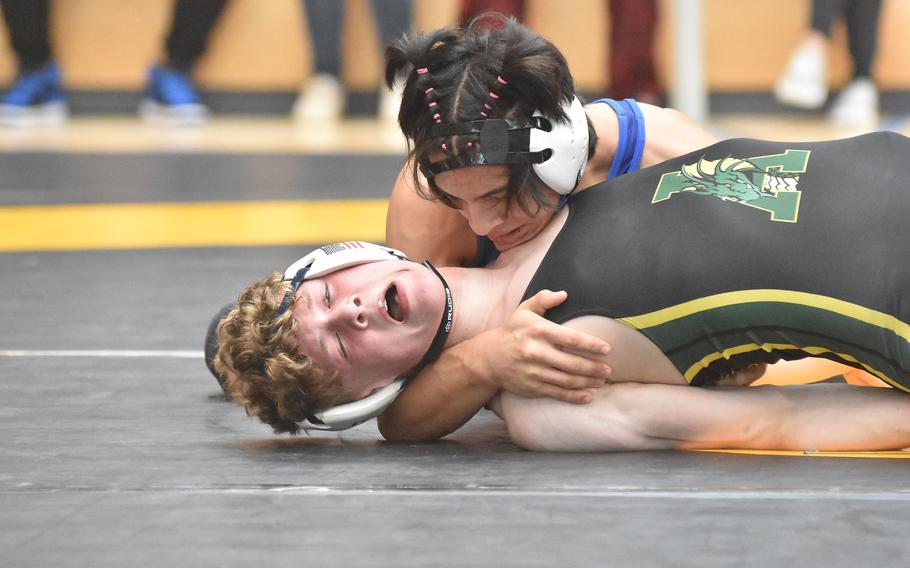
(171, 98)
(36, 97)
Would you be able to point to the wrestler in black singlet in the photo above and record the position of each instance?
(783, 250)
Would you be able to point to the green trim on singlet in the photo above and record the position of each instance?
(704, 331)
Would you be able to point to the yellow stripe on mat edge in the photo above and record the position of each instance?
(167, 225)
(810, 454)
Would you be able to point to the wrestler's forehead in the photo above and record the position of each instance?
(473, 179)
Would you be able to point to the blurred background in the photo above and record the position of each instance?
(717, 60)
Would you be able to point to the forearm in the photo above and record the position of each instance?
(445, 395)
(632, 416)
(818, 417)
(845, 417)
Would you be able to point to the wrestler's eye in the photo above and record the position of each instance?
(494, 198)
(449, 200)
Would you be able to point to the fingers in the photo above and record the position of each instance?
(553, 383)
(565, 395)
(555, 334)
(569, 381)
(573, 339)
(542, 301)
(572, 365)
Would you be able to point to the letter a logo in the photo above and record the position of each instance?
(769, 183)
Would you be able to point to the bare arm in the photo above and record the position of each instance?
(527, 355)
(438, 401)
(427, 230)
(633, 416)
(670, 133)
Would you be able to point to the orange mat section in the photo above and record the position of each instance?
(812, 370)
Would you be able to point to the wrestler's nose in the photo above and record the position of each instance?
(482, 218)
(349, 313)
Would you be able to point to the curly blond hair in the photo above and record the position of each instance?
(258, 359)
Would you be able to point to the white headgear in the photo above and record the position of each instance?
(569, 144)
(557, 150)
(320, 262)
(332, 258)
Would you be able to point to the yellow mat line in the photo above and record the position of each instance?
(810, 454)
(166, 225)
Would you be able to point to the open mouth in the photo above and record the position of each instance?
(393, 303)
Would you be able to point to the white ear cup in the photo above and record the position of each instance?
(351, 414)
(568, 142)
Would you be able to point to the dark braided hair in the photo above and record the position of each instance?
(480, 71)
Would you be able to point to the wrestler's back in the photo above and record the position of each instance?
(718, 278)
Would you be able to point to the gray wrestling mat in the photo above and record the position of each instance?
(124, 453)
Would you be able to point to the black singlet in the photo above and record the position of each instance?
(749, 251)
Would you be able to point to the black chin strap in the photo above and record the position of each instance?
(445, 326)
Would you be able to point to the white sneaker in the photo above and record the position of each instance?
(190, 114)
(322, 99)
(857, 104)
(45, 114)
(390, 102)
(805, 81)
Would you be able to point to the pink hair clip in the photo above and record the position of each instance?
(494, 96)
(433, 103)
(428, 91)
(445, 148)
(422, 71)
(487, 106)
(436, 116)
(501, 80)
(483, 114)
(470, 144)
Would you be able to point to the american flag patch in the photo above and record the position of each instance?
(338, 247)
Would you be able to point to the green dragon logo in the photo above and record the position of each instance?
(768, 183)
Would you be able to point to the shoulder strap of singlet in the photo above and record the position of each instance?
(631, 143)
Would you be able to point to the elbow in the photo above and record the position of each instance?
(393, 431)
(528, 429)
(546, 425)
(527, 437)
(398, 429)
